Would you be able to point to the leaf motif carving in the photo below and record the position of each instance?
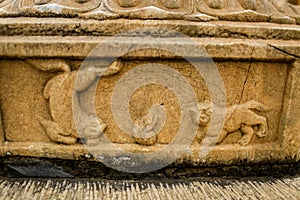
(172, 4)
(128, 3)
(216, 4)
(278, 11)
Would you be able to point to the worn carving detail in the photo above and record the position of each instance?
(216, 4)
(238, 118)
(279, 11)
(150, 125)
(59, 91)
(128, 3)
(248, 4)
(47, 7)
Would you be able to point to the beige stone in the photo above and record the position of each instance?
(279, 11)
(263, 81)
(290, 122)
(258, 63)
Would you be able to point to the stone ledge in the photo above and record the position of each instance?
(77, 27)
(218, 48)
(220, 155)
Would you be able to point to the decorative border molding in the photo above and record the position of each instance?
(277, 11)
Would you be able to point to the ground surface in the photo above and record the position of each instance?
(31, 178)
(198, 188)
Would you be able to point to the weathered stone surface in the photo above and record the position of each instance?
(41, 59)
(78, 27)
(230, 10)
(263, 79)
(218, 48)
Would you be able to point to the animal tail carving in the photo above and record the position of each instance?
(254, 105)
(56, 133)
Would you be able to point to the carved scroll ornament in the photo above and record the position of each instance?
(278, 11)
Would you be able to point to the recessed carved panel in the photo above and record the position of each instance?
(254, 96)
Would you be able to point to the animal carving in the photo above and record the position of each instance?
(147, 127)
(238, 118)
(59, 92)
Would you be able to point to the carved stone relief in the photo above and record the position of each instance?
(59, 92)
(238, 118)
(54, 116)
(279, 11)
(149, 125)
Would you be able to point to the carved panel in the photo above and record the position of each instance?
(254, 103)
(43, 111)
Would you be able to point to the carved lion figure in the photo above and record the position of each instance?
(238, 117)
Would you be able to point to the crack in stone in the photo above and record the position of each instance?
(247, 76)
(234, 34)
(283, 51)
(244, 85)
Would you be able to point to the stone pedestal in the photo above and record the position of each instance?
(254, 46)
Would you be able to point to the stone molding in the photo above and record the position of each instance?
(278, 11)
